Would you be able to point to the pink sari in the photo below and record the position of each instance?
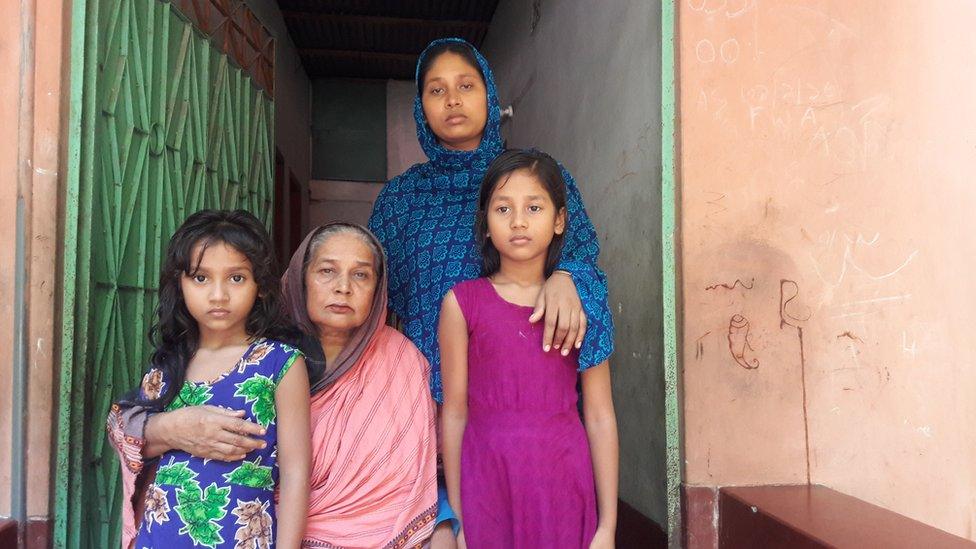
(374, 471)
(374, 447)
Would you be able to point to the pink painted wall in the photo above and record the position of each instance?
(47, 152)
(826, 167)
(10, 64)
(32, 111)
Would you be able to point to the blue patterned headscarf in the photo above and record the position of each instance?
(445, 159)
(425, 220)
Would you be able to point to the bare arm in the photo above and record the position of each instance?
(294, 455)
(601, 430)
(453, 337)
(203, 431)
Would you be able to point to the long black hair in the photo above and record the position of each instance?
(550, 175)
(459, 48)
(174, 334)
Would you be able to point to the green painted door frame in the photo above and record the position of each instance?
(161, 124)
(674, 448)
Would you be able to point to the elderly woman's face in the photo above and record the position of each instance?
(340, 283)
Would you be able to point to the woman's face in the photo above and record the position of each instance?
(455, 102)
(340, 283)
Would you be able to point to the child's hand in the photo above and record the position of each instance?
(604, 539)
(565, 319)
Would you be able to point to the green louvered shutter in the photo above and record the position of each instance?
(169, 126)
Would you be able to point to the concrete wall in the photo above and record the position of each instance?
(826, 175)
(293, 127)
(586, 88)
(402, 148)
(349, 201)
(352, 201)
(293, 93)
(349, 129)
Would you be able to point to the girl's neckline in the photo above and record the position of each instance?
(244, 356)
(494, 290)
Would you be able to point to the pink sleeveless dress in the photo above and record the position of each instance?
(526, 472)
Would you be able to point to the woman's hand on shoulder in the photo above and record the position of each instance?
(560, 304)
(205, 431)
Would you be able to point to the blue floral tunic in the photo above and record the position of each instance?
(195, 502)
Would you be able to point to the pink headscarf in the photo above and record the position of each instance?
(374, 448)
(293, 300)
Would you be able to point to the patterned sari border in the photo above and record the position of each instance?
(419, 526)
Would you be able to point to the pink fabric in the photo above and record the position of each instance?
(121, 422)
(374, 470)
(129, 450)
(374, 447)
(526, 471)
(129, 529)
(293, 299)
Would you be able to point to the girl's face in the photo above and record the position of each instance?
(522, 218)
(340, 283)
(222, 291)
(455, 102)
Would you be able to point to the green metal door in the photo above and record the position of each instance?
(168, 126)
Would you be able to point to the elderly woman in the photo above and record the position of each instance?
(373, 478)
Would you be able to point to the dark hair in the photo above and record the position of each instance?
(434, 52)
(174, 334)
(548, 172)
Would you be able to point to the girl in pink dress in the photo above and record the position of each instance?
(522, 469)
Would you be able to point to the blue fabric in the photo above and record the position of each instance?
(444, 511)
(425, 220)
(196, 502)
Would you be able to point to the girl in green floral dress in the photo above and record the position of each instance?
(214, 343)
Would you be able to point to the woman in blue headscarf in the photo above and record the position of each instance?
(425, 217)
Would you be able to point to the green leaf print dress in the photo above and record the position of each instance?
(195, 502)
